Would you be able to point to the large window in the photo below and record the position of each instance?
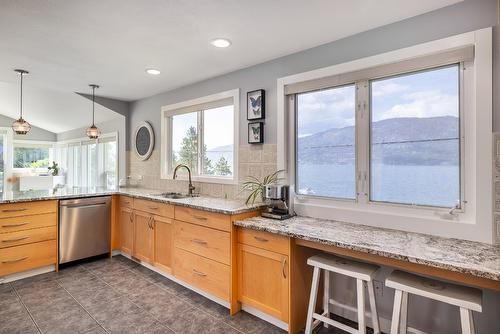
(89, 163)
(32, 156)
(201, 134)
(326, 155)
(390, 134)
(415, 138)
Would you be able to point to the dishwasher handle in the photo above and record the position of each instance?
(83, 205)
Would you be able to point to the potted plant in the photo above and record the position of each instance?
(256, 186)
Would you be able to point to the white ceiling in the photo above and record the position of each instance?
(55, 111)
(69, 44)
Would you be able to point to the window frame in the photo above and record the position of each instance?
(32, 144)
(197, 105)
(475, 221)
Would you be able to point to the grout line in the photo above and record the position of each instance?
(25, 307)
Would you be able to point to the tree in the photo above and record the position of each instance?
(222, 167)
(188, 154)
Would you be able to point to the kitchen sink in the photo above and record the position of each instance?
(173, 195)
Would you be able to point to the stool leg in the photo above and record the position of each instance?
(312, 300)
(326, 297)
(361, 306)
(396, 311)
(466, 321)
(471, 319)
(404, 313)
(373, 308)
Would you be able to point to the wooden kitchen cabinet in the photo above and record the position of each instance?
(163, 240)
(143, 236)
(263, 280)
(126, 230)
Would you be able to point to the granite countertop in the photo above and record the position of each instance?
(206, 203)
(469, 257)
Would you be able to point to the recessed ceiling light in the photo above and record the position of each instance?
(152, 71)
(221, 42)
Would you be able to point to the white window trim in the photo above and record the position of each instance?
(473, 224)
(171, 110)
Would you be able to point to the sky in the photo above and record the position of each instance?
(422, 94)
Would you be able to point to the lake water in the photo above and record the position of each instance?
(416, 184)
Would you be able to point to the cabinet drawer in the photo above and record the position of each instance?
(28, 236)
(14, 224)
(25, 257)
(204, 241)
(204, 218)
(27, 208)
(205, 274)
(156, 208)
(126, 202)
(264, 240)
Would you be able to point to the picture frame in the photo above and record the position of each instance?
(256, 105)
(256, 133)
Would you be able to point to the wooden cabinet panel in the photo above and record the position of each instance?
(21, 223)
(265, 240)
(263, 280)
(204, 241)
(126, 218)
(156, 208)
(28, 236)
(25, 257)
(204, 218)
(126, 202)
(27, 208)
(208, 275)
(143, 236)
(163, 243)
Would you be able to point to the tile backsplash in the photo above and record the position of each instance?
(254, 160)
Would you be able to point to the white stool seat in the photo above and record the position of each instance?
(466, 298)
(453, 294)
(359, 270)
(362, 272)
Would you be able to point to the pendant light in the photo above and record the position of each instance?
(93, 132)
(20, 126)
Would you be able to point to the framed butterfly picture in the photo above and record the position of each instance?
(256, 133)
(256, 105)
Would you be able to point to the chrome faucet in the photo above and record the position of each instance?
(191, 187)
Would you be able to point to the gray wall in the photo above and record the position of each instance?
(114, 125)
(34, 134)
(462, 17)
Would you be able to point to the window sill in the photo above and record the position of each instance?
(204, 179)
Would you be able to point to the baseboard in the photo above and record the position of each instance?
(265, 317)
(28, 273)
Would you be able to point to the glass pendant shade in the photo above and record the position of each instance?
(21, 127)
(93, 132)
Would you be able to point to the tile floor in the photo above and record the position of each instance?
(115, 296)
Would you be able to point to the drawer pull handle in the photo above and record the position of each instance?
(153, 207)
(14, 210)
(199, 273)
(16, 225)
(199, 241)
(15, 260)
(200, 218)
(16, 239)
(283, 265)
(260, 239)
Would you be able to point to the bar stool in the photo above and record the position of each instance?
(467, 299)
(362, 272)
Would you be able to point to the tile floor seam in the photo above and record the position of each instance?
(26, 308)
(130, 300)
(90, 315)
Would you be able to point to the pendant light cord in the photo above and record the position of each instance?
(93, 104)
(21, 94)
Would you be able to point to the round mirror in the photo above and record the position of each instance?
(144, 141)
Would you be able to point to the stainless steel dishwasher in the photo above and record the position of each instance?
(84, 228)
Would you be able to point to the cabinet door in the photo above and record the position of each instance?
(126, 230)
(143, 236)
(163, 243)
(263, 280)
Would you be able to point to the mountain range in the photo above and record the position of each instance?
(396, 141)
